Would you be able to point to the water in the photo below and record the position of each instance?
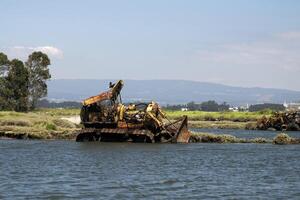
(249, 134)
(70, 170)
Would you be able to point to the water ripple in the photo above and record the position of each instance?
(69, 170)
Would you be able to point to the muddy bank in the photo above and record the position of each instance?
(63, 124)
(280, 121)
(281, 139)
(51, 135)
(221, 124)
(36, 125)
(195, 123)
(197, 137)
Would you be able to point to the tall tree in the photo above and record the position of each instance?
(18, 81)
(37, 65)
(4, 91)
(209, 106)
(3, 64)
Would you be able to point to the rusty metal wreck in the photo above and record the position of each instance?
(105, 118)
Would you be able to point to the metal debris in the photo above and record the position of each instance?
(106, 119)
(281, 121)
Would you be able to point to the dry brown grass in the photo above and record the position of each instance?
(36, 125)
(284, 138)
(224, 138)
(217, 124)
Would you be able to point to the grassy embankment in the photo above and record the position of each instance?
(47, 124)
(222, 120)
(197, 119)
(280, 139)
(40, 124)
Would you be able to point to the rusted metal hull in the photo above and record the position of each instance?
(183, 133)
(115, 135)
(176, 132)
(280, 121)
(105, 118)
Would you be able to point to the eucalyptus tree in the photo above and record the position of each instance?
(4, 91)
(17, 84)
(3, 64)
(37, 65)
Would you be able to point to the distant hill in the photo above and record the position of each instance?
(169, 91)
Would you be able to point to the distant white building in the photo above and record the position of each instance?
(244, 108)
(234, 109)
(291, 106)
(184, 109)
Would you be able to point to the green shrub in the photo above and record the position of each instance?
(15, 123)
(282, 138)
(50, 127)
(63, 123)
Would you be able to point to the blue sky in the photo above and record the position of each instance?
(242, 43)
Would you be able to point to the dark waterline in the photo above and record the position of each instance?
(70, 170)
(240, 133)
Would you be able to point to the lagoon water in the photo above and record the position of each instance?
(249, 134)
(70, 170)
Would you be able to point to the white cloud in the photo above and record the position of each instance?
(278, 51)
(51, 51)
(22, 52)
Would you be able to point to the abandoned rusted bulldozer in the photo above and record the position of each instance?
(106, 119)
(280, 121)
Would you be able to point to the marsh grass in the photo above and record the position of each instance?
(284, 138)
(41, 124)
(215, 138)
(218, 124)
(217, 116)
(58, 112)
(224, 138)
(47, 124)
(9, 122)
(281, 139)
(64, 123)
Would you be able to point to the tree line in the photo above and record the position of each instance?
(22, 84)
(44, 103)
(204, 106)
(270, 106)
(213, 106)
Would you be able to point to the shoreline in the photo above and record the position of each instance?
(65, 129)
(62, 124)
(197, 137)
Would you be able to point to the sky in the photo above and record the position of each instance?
(253, 43)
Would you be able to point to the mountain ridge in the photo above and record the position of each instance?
(170, 91)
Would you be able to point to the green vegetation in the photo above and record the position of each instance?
(282, 138)
(57, 112)
(40, 124)
(218, 116)
(48, 124)
(17, 86)
(215, 138)
(266, 106)
(37, 66)
(210, 105)
(220, 124)
(49, 120)
(193, 116)
(44, 103)
(22, 85)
